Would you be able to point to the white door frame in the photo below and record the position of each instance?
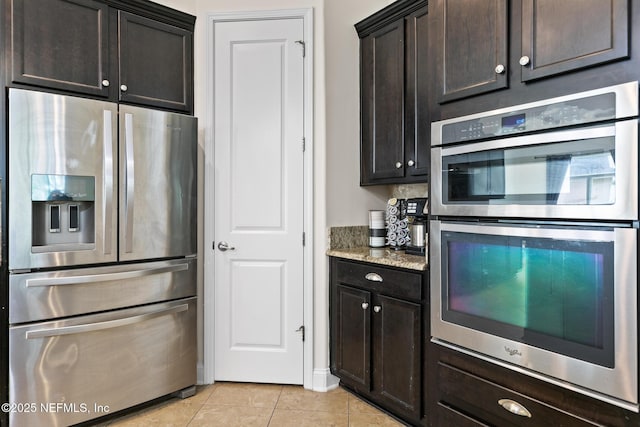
(306, 14)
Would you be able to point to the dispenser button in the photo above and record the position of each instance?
(74, 219)
(54, 218)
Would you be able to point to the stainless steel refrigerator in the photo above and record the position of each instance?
(102, 256)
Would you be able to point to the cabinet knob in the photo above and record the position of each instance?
(365, 305)
(105, 83)
(524, 60)
(123, 88)
(499, 69)
(398, 165)
(411, 163)
(513, 407)
(377, 308)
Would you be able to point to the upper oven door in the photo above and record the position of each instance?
(579, 173)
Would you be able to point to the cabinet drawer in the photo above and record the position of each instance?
(402, 284)
(446, 416)
(470, 394)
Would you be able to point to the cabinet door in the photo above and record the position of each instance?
(156, 63)
(382, 103)
(61, 44)
(417, 123)
(352, 328)
(470, 43)
(561, 36)
(397, 353)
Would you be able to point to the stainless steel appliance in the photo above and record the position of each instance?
(417, 217)
(102, 256)
(534, 240)
(573, 157)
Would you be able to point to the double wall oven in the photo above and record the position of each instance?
(534, 240)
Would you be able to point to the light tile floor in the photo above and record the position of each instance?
(248, 405)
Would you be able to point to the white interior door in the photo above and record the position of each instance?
(258, 208)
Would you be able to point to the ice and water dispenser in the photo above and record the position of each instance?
(63, 212)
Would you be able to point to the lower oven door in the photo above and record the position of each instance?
(556, 303)
(69, 371)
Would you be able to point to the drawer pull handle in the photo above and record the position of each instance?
(514, 407)
(373, 277)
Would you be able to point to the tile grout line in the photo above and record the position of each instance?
(275, 406)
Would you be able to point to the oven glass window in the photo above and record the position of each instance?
(570, 173)
(552, 294)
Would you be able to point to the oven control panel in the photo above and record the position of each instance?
(567, 113)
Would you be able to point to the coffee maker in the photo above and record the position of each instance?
(417, 211)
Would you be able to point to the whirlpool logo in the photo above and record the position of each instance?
(512, 351)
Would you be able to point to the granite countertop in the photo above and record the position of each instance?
(383, 256)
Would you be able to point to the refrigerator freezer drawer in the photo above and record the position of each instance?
(49, 295)
(74, 370)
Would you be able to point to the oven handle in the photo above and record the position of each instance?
(521, 141)
(107, 277)
(99, 326)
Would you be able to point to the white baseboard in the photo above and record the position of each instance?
(324, 381)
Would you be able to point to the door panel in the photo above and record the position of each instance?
(157, 184)
(382, 115)
(562, 36)
(468, 58)
(258, 201)
(61, 44)
(352, 346)
(147, 46)
(397, 359)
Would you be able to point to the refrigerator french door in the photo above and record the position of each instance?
(65, 183)
(102, 255)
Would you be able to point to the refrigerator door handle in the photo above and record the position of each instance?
(106, 277)
(99, 326)
(129, 181)
(107, 216)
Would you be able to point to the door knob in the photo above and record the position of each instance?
(224, 246)
(365, 305)
(377, 308)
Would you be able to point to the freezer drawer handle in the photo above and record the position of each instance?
(96, 278)
(99, 326)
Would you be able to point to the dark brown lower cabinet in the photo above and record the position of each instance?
(376, 334)
(468, 392)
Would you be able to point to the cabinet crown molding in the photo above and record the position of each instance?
(155, 11)
(394, 11)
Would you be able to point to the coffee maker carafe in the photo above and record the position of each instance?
(417, 216)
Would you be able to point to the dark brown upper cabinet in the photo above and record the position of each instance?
(394, 114)
(567, 35)
(156, 64)
(61, 44)
(471, 40)
(133, 51)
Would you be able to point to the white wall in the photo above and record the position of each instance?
(338, 198)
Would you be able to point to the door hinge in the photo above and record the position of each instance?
(304, 238)
(302, 43)
(301, 329)
(304, 144)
